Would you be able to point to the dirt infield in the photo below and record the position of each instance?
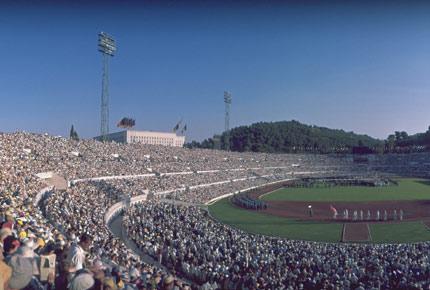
(355, 232)
(412, 210)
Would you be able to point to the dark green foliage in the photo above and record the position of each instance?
(295, 137)
(73, 134)
(291, 137)
(401, 142)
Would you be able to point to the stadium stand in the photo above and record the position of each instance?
(59, 239)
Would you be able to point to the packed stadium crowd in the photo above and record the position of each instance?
(69, 224)
(186, 240)
(88, 158)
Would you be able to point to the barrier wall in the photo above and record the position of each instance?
(41, 194)
(45, 175)
(246, 189)
(115, 209)
(74, 181)
(71, 182)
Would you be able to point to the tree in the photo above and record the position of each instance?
(73, 134)
(390, 143)
(397, 134)
(403, 135)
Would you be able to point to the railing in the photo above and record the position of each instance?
(213, 200)
(115, 209)
(74, 181)
(41, 194)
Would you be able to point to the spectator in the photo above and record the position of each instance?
(76, 255)
(5, 272)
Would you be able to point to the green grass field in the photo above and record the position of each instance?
(406, 232)
(259, 223)
(408, 189)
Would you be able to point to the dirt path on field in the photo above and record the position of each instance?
(356, 232)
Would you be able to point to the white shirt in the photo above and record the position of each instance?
(76, 257)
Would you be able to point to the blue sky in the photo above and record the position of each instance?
(362, 67)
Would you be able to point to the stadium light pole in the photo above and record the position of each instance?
(227, 101)
(107, 46)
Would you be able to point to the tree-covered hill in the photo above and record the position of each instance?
(401, 142)
(289, 137)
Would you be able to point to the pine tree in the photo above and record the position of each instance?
(73, 134)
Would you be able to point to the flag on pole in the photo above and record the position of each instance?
(184, 129)
(176, 128)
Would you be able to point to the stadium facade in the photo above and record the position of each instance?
(145, 137)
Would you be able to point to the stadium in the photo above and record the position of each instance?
(160, 214)
(183, 200)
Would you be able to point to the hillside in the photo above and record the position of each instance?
(290, 137)
(404, 143)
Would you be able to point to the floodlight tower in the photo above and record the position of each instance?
(227, 101)
(107, 47)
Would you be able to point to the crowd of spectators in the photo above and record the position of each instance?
(80, 209)
(186, 240)
(69, 224)
(89, 158)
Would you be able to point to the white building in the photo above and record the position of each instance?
(146, 137)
